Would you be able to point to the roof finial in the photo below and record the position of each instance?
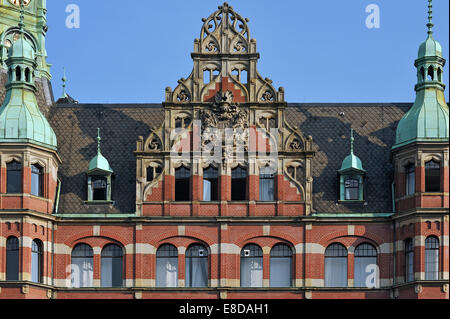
(430, 17)
(64, 79)
(352, 139)
(98, 140)
(22, 18)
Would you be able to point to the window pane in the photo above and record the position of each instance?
(14, 178)
(239, 184)
(36, 180)
(36, 261)
(182, 187)
(12, 258)
(196, 266)
(82, 266)
(432, 177)
(112, 266)
(335, 271)
(281, 266)
(431, 258)
(410, 180)
(166, 272)
(266, 185)
(361, 271)
(351, 189)
(409, 260)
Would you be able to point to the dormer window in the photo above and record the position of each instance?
(351, 185)
(14, 177)
(351, 178)
(99, 178)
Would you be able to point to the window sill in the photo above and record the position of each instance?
(351, 201)
(99, 202)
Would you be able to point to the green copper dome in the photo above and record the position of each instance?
(99, 162)
(21, 121)
(427, 120)
(430, 48)
(351, 162)
(21, 49)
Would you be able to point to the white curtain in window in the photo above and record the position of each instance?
(280, 271)
(361, 264)
(82, 270)
(251, 272)
(335, 271)
(266, 189)
(206, 190)
(166, 272)
(431, 264)
(196, 272)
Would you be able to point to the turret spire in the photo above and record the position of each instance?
(64, 79)
(22, 18)
(352, 139)
(430, 17)
(98, 140)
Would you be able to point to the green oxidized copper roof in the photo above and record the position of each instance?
(21, 121)
(99, 162)
(428, 118)
(351, 162)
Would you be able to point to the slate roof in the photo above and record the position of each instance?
(329, 124)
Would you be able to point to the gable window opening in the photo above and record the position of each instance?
(153, 172)
(239, 183)
(266, 184)
(210, 184)
(99, 187)
(182, 184)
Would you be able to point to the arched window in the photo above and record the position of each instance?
(210, 184)
(422, 74)
(82, 266)
(18, 73)
(439, 73)
(409, 260)
(27, 75)
(37, 178)
(410, 179)
(430, 73)
(431, 258)
(365, 256)
(266, 183)
(112, 266)
(432, 176)
(14, 177)
(167, 266)
(197, 266)
(351, 189)
(36, 261)
(239, 183)
(251, 266)
(182, 181)
(12, 258)
(336, 266)
(281, 266)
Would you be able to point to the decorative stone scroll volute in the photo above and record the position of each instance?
(225, 91)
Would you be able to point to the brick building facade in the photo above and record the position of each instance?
(224, 190)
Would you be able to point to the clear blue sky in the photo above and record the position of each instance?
(319, 51)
